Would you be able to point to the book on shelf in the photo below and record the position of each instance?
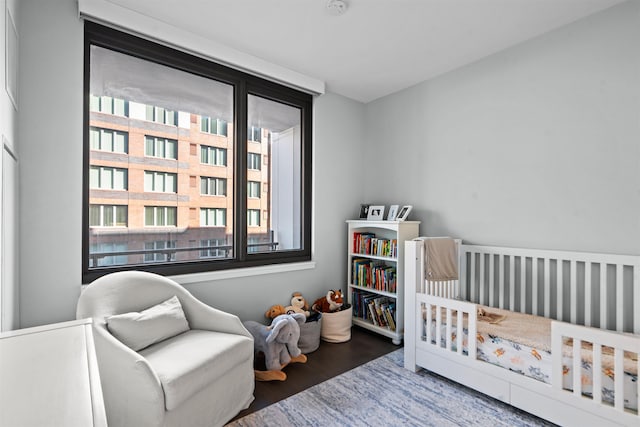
(373, 274)
(376, 309)
(367, 243)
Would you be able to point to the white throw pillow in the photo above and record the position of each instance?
(155, 324)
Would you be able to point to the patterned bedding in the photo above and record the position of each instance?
(535, 362)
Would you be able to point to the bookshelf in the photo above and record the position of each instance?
(375, 270)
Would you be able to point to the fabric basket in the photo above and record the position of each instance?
(310, 333)
(336, 326)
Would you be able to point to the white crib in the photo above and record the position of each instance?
(594, 298)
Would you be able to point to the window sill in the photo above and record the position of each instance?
(185, 279)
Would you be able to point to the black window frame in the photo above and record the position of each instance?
(244, 84)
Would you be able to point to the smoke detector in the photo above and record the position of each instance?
(336, 7)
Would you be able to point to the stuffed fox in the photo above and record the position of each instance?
(329, 303)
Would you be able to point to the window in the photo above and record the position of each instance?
(253, 218)
(253, 161)
(213, 248)
(160, 216)
(213, 156)
(161, 115)
(107, 216)
(160, 147)
(153, 216)
(108, 140)
(253, 190)
(210, 217)
(159, 252)
(109, 105)
(107, 178)
(213, 186)
(255, 134)
(162, 182)
(213, 126)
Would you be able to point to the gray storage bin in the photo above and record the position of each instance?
(310, 333)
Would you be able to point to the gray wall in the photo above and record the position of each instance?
(536, 146)
(50, 125)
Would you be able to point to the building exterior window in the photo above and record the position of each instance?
(210, 186)
(160, 216)
(161, 182)
(109, 105)
(159, 248)
(253, 189)
(214, 156)
(253, 161)
(255, 134)
(248, 141)
(108, 140)
(213, 126)
(107, 215)
(253, 218)
(165, 148)
(213, 217)
(210, 248)
(161, 115)
(107, 178)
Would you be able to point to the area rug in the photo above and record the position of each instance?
(383, 393)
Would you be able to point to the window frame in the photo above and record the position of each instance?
(244, 84)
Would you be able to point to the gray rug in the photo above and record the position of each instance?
(383, 393)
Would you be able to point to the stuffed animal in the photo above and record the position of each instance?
(275, 311)
(331, 302)
(299, 304)
(279, 343)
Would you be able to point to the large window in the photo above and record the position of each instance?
(185, 134)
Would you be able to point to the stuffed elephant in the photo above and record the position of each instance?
(278, 342)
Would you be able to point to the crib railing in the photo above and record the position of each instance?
(600, 290)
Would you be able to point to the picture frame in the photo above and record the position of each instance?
(376, 213)
(404, 212)
(364, 211)
(393, 212)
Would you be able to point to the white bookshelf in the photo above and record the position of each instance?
(399, 230)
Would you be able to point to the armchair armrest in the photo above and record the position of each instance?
(132, 391)
(202, 316)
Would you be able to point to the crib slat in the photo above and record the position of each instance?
(462, 280)
(603, 296)
(501, 267)
(448, 330)
(534, 286)
(577, 364)
(523, 284)
(512, 283)
(573, 296)
(636, 304)
(618, 372)
(619, 299)
(559, 289)
(492, 288)
(472, 279)
(547, 288)
(459, 332)
(429, 322)
(597, 373)
(587, 294)
(482, 284)
(438, 326)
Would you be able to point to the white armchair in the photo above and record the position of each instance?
(201, 377)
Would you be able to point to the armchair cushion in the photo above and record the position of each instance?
(138, 330)
(187, 363)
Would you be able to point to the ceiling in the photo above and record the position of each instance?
(378, 46)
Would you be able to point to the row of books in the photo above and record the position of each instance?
(373, 274)
(368, 244)
(376, 309)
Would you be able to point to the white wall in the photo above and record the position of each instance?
(51, 134)
(536, 146)
(9, 287)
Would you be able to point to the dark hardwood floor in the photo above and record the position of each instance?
(328, 361)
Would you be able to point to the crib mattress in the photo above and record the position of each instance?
(525, 356)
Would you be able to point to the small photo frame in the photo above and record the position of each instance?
(404, 213)
(376, 213)
(393, 212)
(364, 211)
